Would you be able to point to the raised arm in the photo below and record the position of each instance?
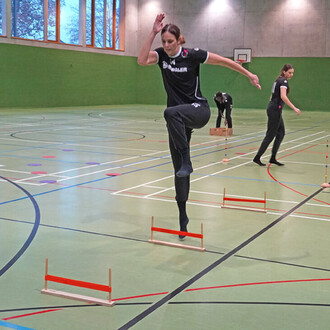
(286, 100)
(147, 57)
(216, 59)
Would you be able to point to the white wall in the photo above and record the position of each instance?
(272, 28)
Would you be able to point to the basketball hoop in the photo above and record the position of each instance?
(240, 61)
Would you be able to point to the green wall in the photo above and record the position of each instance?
(310, 85)
(44, 77)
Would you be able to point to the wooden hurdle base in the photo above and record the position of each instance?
(79, 297)
(88, 285)
(176, 232)
(244, 200)
(221, 131)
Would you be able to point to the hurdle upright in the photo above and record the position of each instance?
(244, 200)
(176, 232)
(81, 284)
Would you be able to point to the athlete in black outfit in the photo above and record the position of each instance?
(275, 127)
(224, 102)
(186, 108)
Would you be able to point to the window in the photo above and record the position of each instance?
(51, 20)
(94, 23)
(103, 18)
(99, 23)
(28, 19)
(69, 22)
(1, 22)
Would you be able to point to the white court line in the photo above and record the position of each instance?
(66, 144)
(40, 175)
(100, 171)
(233, 167)
(219, 207)
(213, 164)
(240, 196)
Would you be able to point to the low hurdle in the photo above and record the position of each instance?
(176, 232)
(81, 284)
(245, 200)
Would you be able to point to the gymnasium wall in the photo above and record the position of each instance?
(42, 77)
(37, 74)
(272, 28)
(309, 85)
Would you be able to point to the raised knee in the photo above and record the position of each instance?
(169, 113)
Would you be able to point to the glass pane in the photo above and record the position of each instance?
(99, 23)
(69, 21)
(28, 19)
(88, 22)
(0, 17)
(109, 23)
(51, 20)
(117, 23)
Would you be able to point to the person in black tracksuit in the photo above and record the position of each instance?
(223, 102)
(186, 108)
(275, 127)
(325, 185)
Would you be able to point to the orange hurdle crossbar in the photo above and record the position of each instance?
(77, 283)
(176, 232)
(245, 200)
(81, 284)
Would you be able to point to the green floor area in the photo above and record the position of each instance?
(80, 186)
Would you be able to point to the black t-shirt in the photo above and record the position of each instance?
(181, 75)
(226, 104)
(275, 99)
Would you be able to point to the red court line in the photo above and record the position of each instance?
(82, 284)
(140, 296)
(176, 232)
(187, 290)
(282, 184)
(257, 283)
(29, 314)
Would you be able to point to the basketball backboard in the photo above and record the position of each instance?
(242, 54)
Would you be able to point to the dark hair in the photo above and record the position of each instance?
(173, 29)
(218, 94)
(285, 68)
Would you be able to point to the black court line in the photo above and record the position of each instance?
(248, 303)
(147, 241)
(181, 288)
(33, 233)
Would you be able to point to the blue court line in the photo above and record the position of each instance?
(13, 326)
(133, 171)
(209, 268)
(41, 159)
(129, 172)
(33, 232)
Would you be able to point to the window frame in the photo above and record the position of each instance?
(116, 46)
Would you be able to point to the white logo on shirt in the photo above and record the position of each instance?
(169, 67)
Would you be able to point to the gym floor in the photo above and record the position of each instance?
(79, 186)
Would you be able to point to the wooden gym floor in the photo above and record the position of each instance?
(259, 271)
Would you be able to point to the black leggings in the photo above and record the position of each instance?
(275, 129)
(181, 120)
(228, 117)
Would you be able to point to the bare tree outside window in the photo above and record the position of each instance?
(28, 19)
(1, 18)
